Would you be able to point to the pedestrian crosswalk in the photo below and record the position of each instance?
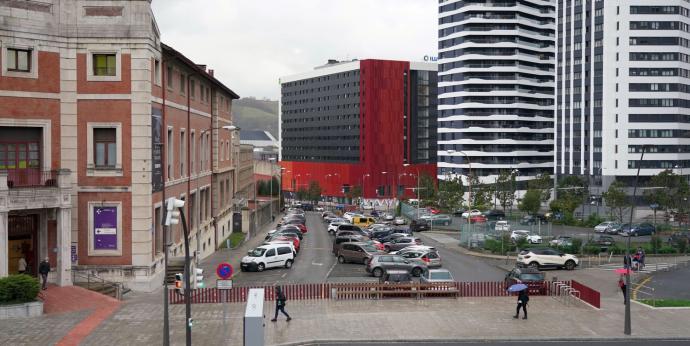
(648, 268)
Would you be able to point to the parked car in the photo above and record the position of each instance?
(399, 221)
(546, 257)
(388, 217)
(367, 207)
(502, 226)
(436, 275)
(562, 240)
(638, 230)
(477, 219)
(524, 275)
(414, 247)
(615, 228)
(441, 219)
(419, 225)
(356, 252)
(290, 230)
(677, 237)
(493, 215)
(433, 210)
(458, 212)
(382, 263)
(532, 277)
(522, 234)
(534, 219)
(375, 213)
(401, 242)
(392, 237)
(604, 226)
(333, 226)
(375, 243)
(345, 239)
(430, 258)
(318, 209)
(268, 256)
(396, 276)
(358, 232)
(346, 227)
(380, 233)
(604, 241)
(470, 213)
(293, 239)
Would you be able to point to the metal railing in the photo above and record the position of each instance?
(23, 178)
(93, 281)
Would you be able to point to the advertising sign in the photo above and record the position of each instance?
(105, 228)
(156, 150)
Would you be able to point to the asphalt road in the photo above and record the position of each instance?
(672, 284)
(627, 342)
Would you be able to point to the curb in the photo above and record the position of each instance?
(483, 340)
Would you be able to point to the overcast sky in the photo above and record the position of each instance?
(251, 43)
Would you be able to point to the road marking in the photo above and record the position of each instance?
(284, 275)
(316, 264)
(330, 270)
(637, 287)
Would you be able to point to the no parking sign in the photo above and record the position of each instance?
(224, 271)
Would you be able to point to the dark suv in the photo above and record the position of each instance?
(419, 225)
(494, 215)
(532, 277)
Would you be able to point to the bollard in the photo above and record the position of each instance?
(254, 318)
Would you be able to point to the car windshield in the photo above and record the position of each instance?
(532, 277)
(369, 248)
(258, 252)
(440, 276)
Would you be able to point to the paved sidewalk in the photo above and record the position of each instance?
(233, 256)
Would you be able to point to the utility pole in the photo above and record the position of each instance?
(628, 325)
(173, 217)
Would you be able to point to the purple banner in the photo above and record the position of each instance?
(105, 228)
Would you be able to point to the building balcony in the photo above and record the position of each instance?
(22, 189)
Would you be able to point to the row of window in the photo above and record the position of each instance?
(321, 118)
(319, 89)
(449, 136)
(288, 101)
(347, 74)
(659, 118)
(659, 149)
(495, 87)
(645, 133)
(482, 112)
(339, 158)
(485, 63)
(659, 72)
(636, 56)
(495, 100)
(659, 25)
(200, 147)
(322, 147)
(660, 87)
(682, 103)
(496, 39)
(21, 60)
(660, 10)
(286, 131)
(319, 109)
(495, 26)
(519, 76)
(320, 138)
(657, 164)
(659, 41)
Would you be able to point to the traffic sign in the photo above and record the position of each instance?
(224, 271)
(224, 284)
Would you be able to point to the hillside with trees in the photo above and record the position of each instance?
(252, 114)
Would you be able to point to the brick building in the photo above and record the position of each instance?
(99, 123)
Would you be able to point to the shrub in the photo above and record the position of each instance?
(664, 227)
(591, 249)
(16, 289)
(655, 243)
(681, 245)
(667, 250)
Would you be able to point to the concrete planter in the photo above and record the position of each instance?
(33, 309)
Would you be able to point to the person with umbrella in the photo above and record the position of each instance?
(523, 298)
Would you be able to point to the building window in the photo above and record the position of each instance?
(183, 151)
(192, 158)
(183, 80)
(170, 77)
(104, 64)
(192, 88)
(157, 72)
(105, 145)
(158, 216)
(18, 60)
(171, 154)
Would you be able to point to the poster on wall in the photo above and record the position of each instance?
(156, 150)
(105, 228)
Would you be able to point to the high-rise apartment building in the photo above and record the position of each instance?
(622, 82)
(496, 87)
(368, 123)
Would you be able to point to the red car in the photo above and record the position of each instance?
(433, 210)
(293, 239)
(377, 244)
(477, 219)
(302, 228)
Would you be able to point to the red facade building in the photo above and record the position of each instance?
(368, 123)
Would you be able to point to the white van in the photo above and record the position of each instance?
(268, 256)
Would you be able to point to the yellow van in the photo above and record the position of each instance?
(363, 221)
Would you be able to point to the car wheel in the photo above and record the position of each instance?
(341, 259)
(260, 267)
(417, 271)
(570, 265)
(378, 272)
(534, 265)
(288, 264)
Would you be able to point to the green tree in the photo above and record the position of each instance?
(505, 189)
(450, 193)
(314, 191)
(542, 183)
(669, 190)
(302, 194)
(481, 194)
(616, 200)
(427, 192)
(531, 202)
(571, 193)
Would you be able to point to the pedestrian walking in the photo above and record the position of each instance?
(641, 256)
(624, 288)
(523, 298)
(21, 266)
(44, 269)
(280, 304)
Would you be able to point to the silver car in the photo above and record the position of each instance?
(430, 258)
(436, 275)
(379, 264)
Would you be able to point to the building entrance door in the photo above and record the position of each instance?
(23, 242)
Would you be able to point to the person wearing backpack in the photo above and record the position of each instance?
(523, 298)
(280, 304)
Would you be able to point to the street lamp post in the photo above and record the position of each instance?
(469, 185)
(418, 201)
(627, 329)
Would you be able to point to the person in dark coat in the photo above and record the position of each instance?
(624, 288)
(44, 269)
(280, 304)
(523, 298)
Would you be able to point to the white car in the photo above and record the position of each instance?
(470, 213)
(502, 226)
(349, 215)
(268, 256)
(318, 209)
(399, 221)
(604, 227)
(531, 238)
(367, 207)
(333, 226)
(546, 257)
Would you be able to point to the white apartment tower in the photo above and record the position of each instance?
(496, 87)
(621, 83)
